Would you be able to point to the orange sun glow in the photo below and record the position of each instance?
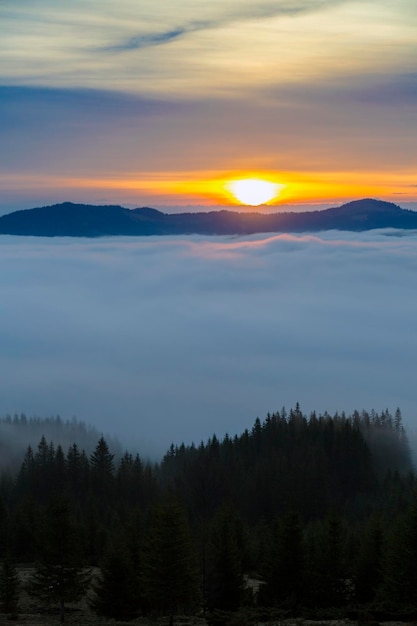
(254, 191)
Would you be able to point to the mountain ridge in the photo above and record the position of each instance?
(87, 220)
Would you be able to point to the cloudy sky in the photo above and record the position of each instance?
(161, 103)
(161, 340)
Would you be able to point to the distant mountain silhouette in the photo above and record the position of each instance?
(85, 220)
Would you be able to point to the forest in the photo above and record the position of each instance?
(301, 516)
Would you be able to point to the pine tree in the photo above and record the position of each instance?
(328, 573)
(44, 470)
(77, 472)
(400, 565)
(102, 473)
(368, 566)
(101, 461)
(225, 572)
(130, 479)
(116, 587)
(25, 478)
(9, 589)
(24, 527)
(169, 572)
(59, 576)
(285, 574)
(4, 527)
(58, 474)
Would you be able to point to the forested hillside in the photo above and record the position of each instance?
(83, 220)
(301, 515)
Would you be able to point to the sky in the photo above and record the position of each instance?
(159, 103)
(158, 340)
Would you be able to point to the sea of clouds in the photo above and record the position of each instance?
(161, 340)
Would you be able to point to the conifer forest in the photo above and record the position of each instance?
(300, 516)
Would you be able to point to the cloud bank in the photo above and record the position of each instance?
(159, 340)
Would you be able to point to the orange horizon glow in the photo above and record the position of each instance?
(211, 189)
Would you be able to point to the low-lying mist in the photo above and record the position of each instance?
(18, 432)
(171, 339)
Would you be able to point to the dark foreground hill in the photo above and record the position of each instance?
(84, 220)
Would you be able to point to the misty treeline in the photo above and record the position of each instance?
(17, 432)
(300, 516)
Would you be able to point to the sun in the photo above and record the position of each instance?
(253, 191)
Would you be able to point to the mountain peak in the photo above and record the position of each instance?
(370, 205)
(83, 220)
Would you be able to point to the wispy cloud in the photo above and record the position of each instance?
(149, 39)
(226, 17)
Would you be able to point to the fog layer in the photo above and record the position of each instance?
(170, 339)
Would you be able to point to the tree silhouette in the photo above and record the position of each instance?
(169, 573)
(285, 574)
(116, 587)
(400, 565)
(9, 589)
(59, 577)
(225, 572)
(368, 570)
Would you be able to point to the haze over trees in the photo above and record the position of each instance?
(298, 516)
(17, 432)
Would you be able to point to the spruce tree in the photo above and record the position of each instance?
(4, 527)
(102, 475)
(400, 565)
(9, 589)
(285, 573)
(77, 473)
(169, 573)
(328, 570)
(225, 572)
(368, 564)
(101, 462)
(115, 590)
(59, 576)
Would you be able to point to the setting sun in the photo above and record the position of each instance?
(254, 191)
